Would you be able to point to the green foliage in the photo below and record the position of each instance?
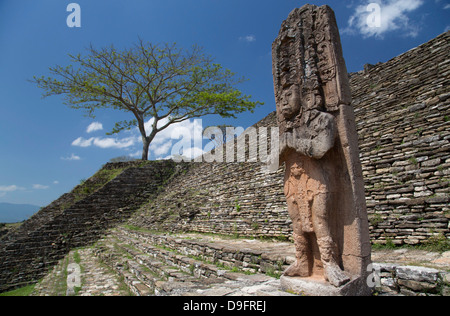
(389, 244)
(237, 206)
(122, 159)
(375, 219)
(413, 160)
(255, 226)
(76, 257)
(24, 291)
(163, 82)
(270, 271)
(438, 243)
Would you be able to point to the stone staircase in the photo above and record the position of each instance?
(152, 264)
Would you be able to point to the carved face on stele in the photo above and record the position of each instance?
(313, 100)
(290, 102)
(297, 170)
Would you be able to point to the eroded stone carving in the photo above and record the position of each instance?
(318, 143)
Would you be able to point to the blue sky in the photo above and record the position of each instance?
(46, 148)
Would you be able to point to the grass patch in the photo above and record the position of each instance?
(76, 257)
(97, 181)
(24, 291)
(437, 243)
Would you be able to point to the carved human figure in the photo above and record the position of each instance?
(306, 188)
(324, 184)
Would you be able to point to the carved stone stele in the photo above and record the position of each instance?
(324, 186)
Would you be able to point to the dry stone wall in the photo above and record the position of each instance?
(225, 198)
(403, 118)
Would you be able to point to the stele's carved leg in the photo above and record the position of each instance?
(327, 247)
(301, 266)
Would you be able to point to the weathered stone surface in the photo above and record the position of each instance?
(418, 274)
(323, 182)
(397, 279)
(97, 280)
(313, 286)
(183, 264)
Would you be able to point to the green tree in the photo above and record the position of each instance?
(163, 82)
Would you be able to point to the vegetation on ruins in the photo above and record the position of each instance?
(158, 84)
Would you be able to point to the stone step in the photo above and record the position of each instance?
(135, 283)
(169, 258)
(136, 280)
(167, 273)
(252, 256)
(158, 277)
(95, 278)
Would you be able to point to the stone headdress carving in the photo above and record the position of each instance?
(308, 52)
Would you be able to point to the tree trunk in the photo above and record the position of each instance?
(145, 140)
(145, 149)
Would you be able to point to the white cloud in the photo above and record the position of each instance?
(56, 182)
(248, 38)
(114, 142)
(447, 7)
(73, 157)
(10, 188)
(104, 142)
(81, 142)
(393, 17)
(161, 149)
(136, 154)
(187, 134)
(93, 127)
(40, 187)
